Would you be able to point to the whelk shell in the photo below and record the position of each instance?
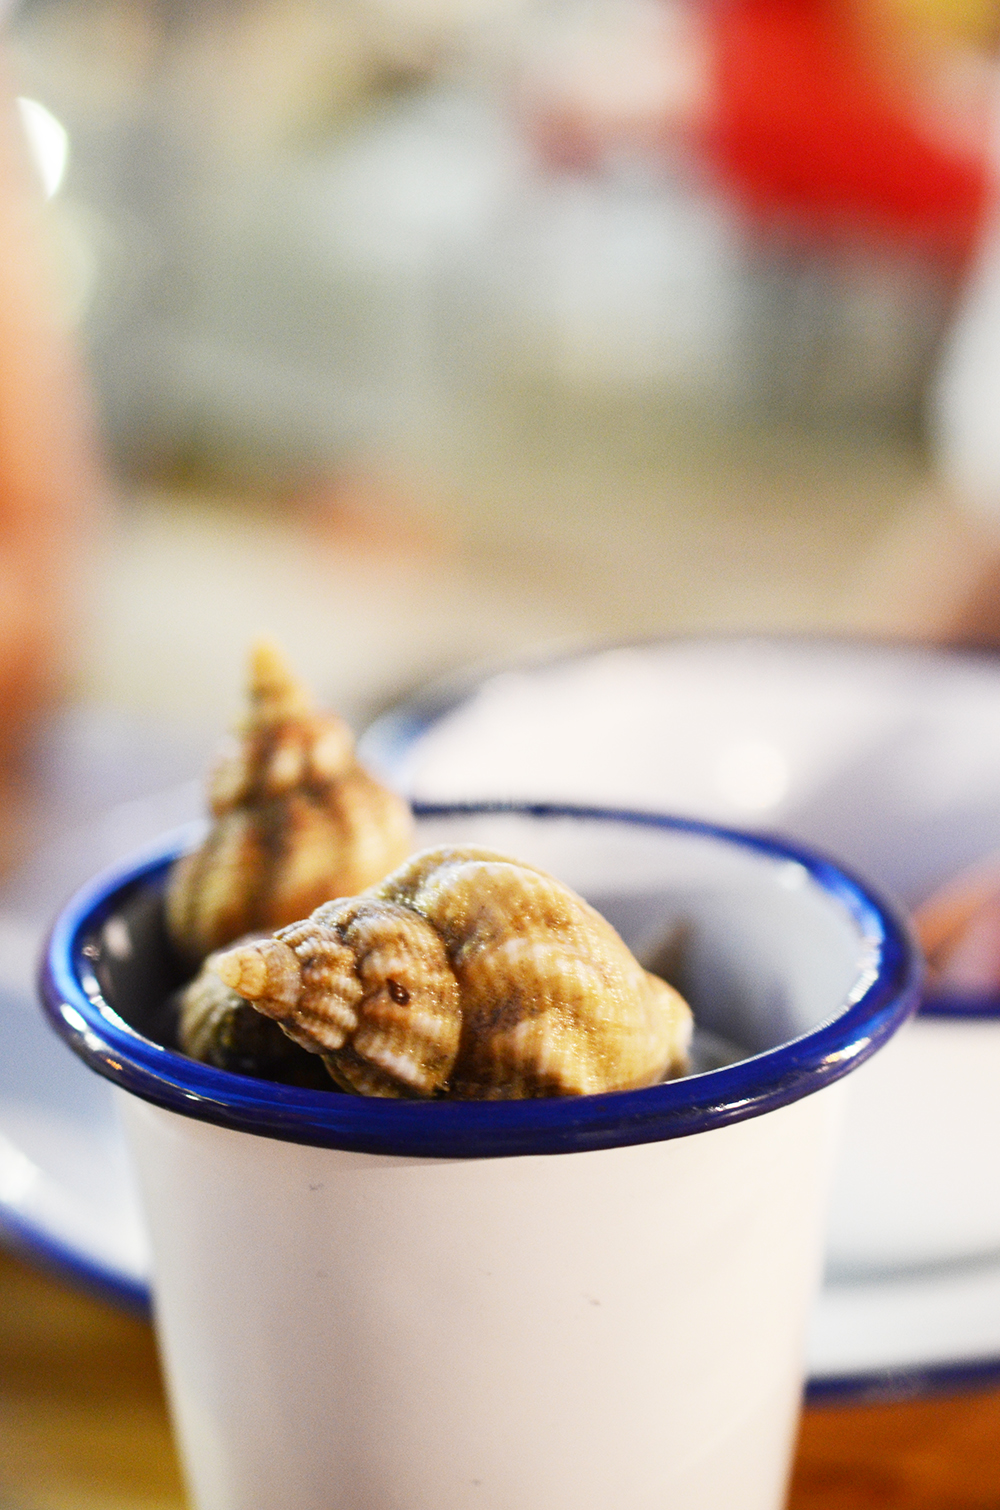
(217, 1026)
(297, 821)
(467, 974)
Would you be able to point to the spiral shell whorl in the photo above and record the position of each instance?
(217, 1026)
(372, 974)
(296, 821)
(469, 974)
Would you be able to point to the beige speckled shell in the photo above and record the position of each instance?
(218, 1027)
(296, 821)
(468, 974)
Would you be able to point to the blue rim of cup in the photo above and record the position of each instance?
(396, 732)
(469, 1129)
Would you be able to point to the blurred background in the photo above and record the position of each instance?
(420, 334)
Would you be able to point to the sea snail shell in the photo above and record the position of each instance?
(218, 1027)
(467, 974)
(296, 821)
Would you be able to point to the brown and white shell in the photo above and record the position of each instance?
(296, 821)
(467, 974)
(218, 1027)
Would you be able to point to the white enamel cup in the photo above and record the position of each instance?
(558, 1304)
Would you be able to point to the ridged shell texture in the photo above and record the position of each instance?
(467, 974)
(296, 821)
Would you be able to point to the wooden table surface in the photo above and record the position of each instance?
(83, 1424)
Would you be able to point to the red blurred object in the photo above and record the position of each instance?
(813, 123)
(804, 128)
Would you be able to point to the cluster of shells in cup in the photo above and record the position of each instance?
(334, 952)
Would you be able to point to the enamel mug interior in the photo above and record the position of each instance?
(565, 1302)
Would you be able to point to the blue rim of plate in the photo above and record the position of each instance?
(392, 735)
(887, 1386)
(469, 1129)
(25, 1239)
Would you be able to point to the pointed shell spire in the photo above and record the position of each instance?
(468, 974)
(273, 693)
(297, 820)
(218, 1027)
(267, 971)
